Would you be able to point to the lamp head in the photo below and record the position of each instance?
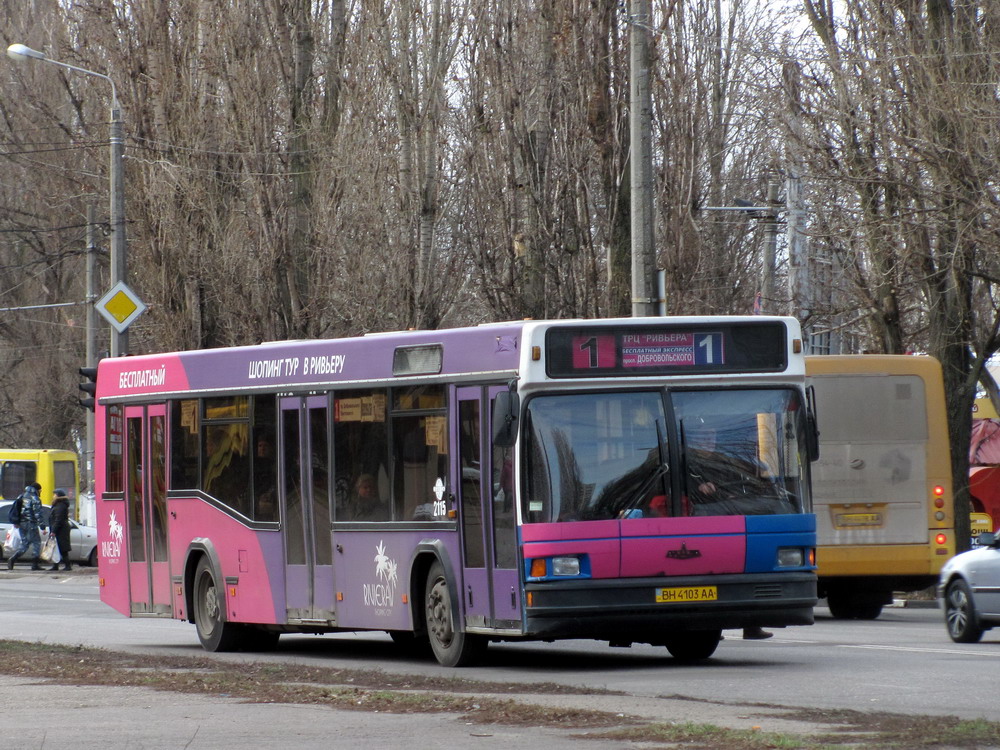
(20, 52)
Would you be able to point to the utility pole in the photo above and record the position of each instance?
(91, 354)
(644, 303)
(770, 248)
(119, 242)
(799, 291)
(116, 187)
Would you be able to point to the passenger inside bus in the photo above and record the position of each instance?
(264, 486)
(366, 503)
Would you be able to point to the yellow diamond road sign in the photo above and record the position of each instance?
(120, 307)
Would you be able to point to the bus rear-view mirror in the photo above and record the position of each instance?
(505, 409)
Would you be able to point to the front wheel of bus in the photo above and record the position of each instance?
(960, 614)
(694, 645)
(451, 646)
(214, 632)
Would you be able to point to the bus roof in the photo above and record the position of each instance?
(491, 351)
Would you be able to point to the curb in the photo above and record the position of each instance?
(914, 604)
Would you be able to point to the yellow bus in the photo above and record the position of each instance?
(50, 468)
(882, 489)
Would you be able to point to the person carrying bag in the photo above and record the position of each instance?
(59, 530)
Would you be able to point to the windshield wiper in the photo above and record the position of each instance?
(658, 473)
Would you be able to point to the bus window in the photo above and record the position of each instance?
(595, 457)
(504, 522)
(360, 455)
(731, 444)
(320, 473)
(421, 464)
(64, 475)
(115, 441)
(184, 442)
(16, 476)
(472, 509)
(420, 452)
(265, 460)
(226, 451)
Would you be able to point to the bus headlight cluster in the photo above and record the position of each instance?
(791, 557)
(565, 566)
(557, 567)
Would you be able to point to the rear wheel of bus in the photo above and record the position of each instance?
(214, 632)
(855, 605)
(451, 646)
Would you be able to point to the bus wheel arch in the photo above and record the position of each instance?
(205, 596)
(452, 646)
(438, 607)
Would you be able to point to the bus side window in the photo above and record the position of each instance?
(420, 453)
(265, 460)
(184, 448)
(360, 456)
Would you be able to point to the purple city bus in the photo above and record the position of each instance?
(640, 480)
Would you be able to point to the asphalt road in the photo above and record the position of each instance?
(903, 663)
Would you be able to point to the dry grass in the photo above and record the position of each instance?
(377, 691)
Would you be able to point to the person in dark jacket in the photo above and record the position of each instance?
(59, 526)
(31, 523)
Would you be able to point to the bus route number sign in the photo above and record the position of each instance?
(654, 349)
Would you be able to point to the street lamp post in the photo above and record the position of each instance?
(119, 242)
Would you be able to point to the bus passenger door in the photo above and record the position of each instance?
(305, 510)
(146, 503)
(491, 587)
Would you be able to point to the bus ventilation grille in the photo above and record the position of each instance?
(767, 591)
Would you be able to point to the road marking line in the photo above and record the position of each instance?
(919, 650)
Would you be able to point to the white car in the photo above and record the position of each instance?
(969, 588)
(82, 539)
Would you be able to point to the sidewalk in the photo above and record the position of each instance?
(107, 718)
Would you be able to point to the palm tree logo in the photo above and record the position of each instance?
(385, 569)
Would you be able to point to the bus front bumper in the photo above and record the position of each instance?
(629, 609)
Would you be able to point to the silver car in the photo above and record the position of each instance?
(82, 539)
(970, 590)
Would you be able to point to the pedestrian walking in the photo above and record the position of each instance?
(29, 526)
(59, 526)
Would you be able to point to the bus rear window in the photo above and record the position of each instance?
(16, 476)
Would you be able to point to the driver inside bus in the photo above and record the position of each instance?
(719, 479)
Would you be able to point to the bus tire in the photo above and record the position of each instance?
(409, 642)
(451, 646)
(960, 615)
(853, 606)
(214, 632)
(693, 645)
(259, 640)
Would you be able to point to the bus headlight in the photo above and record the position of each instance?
(790, 557)
(565, 566)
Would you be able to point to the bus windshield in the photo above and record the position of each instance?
(601, 456)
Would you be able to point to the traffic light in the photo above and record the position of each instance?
(90, 388)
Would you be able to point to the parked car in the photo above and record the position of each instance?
(969, 588)
(82, 539)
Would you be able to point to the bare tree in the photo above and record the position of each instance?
(901, 138)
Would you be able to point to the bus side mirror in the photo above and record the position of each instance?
(812, 438)
(505, 409)
(812, 429)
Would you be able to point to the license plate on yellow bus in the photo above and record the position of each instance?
(687, 594)
(858, 519)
